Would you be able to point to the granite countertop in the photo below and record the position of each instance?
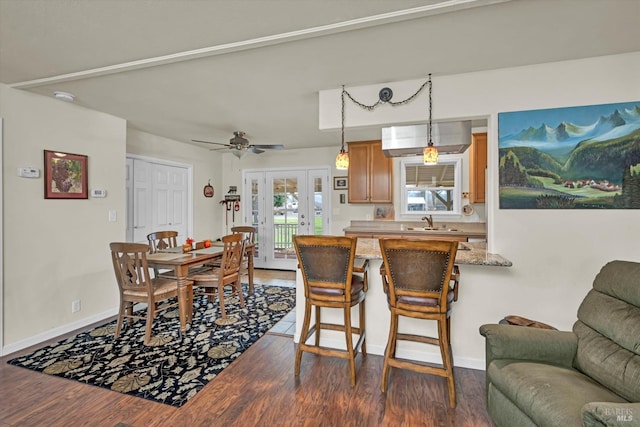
(468, 229)
(468, 253)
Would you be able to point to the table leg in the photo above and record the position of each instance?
(250, 268)
(185, 297)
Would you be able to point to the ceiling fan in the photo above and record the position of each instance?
(240, 145)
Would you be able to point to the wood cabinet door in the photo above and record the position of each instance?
(380, 175)
(358, 172)
(477, 168)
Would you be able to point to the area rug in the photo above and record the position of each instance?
(173, 368)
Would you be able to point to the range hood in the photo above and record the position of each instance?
(448, 137)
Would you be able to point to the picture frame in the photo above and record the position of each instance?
(578, 157)
(340, 183)
(383, 212)
(65, 175)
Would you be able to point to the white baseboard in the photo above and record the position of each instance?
(56, 332)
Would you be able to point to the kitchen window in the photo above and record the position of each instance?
(431, 189)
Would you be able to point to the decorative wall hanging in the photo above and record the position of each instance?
(383, 212)
(208, 190)
(340, 183)
(585, 157)
(65, 175)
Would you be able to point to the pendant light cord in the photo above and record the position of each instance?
(343, 92)
(430, 109)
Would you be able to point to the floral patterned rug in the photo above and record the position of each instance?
(173, 368)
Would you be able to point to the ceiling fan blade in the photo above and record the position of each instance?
(254, 149)
(270, 147)
(209, 142)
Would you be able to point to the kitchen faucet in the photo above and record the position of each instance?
(429, 220)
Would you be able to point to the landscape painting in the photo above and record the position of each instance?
(585, 157)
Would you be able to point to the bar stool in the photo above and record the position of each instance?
(326, 263)
(421, 281)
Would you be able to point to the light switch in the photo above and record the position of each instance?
(113, 216)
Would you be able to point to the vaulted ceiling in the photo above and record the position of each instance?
(201, 69)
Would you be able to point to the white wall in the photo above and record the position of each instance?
(207, 214)
(56, 251)
(555, 253)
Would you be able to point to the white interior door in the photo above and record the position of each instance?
(169, 199)
(285, 203)
(157, 199)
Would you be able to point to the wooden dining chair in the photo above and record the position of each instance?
(214, 280)
(246, 267)
(420, 281)
(136, 285)
(326, 263)
(159, 241)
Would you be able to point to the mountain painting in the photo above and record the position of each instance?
(584, 157)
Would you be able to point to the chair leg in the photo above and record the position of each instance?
(447, 361)
(363, 332)
(150, 315)
(250, 268)
(390, 351)
(303, 336)
(349, 338)
(121, 313)
(223, 311)
(238, 288)
(317, 326)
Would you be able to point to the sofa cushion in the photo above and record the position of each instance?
(549, 395)
(608, 330)
(608, 363)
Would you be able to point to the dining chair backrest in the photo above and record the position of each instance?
(233, 247)
(418, 268)
(160, 240)
(248, 233)
(326, 262)
(130, 266)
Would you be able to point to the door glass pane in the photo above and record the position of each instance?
(317, 206)
(255, 211)
(285, 217)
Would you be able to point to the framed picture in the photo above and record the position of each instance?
(65, 175)
(582, 157)
(340, 183)
(383, 212)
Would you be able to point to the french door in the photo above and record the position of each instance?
(284, 203)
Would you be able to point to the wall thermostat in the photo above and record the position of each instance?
(29, 172)
(96, 192)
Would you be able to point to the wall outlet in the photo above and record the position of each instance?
(75, 306)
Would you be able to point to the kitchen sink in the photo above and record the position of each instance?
(430, 229)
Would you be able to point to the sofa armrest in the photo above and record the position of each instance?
(599, 414)
(522, 343)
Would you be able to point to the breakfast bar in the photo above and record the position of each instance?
(472, 258)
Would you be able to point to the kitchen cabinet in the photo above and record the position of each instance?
(477, 168)
(370, 173)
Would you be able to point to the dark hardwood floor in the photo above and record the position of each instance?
(258, 389)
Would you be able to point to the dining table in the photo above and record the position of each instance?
(181, 262)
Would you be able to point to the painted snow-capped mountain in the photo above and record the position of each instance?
(565, 136)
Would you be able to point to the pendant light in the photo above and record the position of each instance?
(430, 152)
(342, 159)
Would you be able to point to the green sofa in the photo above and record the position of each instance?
(587, 377)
